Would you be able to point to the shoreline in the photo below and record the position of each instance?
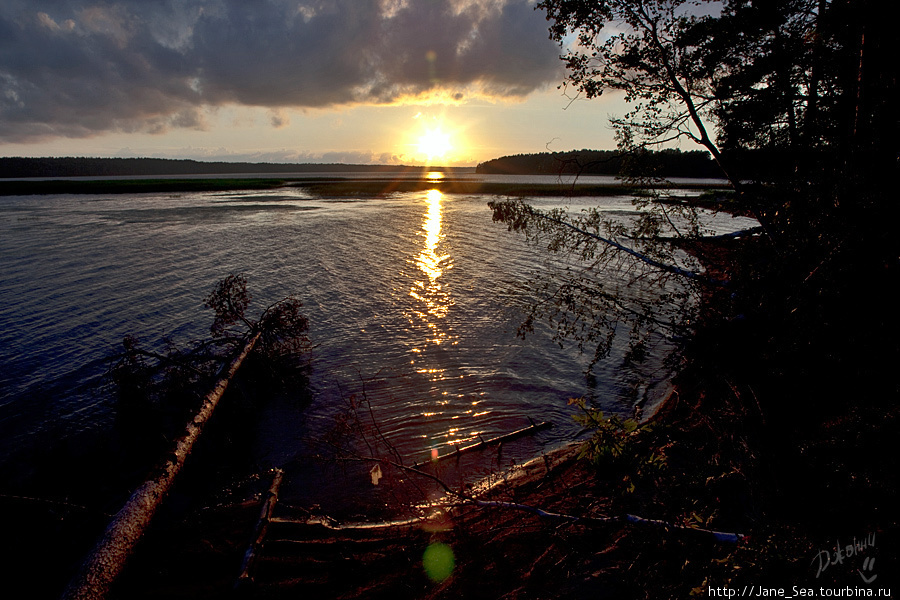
(327, 186)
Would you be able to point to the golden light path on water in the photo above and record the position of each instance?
(433, 303)
(429, 291)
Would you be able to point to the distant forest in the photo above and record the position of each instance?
(664, 163)
(119, 167)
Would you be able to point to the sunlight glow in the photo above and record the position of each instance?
(434, 143)
(436, 140)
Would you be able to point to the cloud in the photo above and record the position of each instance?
(279, 118)
(76, 68)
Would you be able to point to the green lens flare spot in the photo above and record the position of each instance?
(438, 562)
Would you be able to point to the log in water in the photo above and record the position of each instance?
(106, 561)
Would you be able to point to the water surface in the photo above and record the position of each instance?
(412, 299)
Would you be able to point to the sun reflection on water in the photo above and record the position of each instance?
(431, 359)
(432, 264)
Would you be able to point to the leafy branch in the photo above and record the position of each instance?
(169, 382)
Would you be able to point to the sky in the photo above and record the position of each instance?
(449, 82)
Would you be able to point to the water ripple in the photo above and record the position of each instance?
(406, 295)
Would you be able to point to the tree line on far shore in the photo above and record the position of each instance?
(664, 163)
(11, 167)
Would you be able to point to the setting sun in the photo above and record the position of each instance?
(434, 143)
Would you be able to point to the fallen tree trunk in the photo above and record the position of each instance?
(262, 526)
(106, 561)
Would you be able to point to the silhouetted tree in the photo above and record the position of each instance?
(791, 100)
(798, 93)
(643, 49)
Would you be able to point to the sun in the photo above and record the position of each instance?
(434, 143)
(434, 140)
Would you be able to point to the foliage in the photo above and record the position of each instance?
(615, 448)
(284, 328)
(629, 272)
(645, 49)
(608, 275)
(796, 93)
(228, 300)
(165, 386)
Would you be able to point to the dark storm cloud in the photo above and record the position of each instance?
(74, 68)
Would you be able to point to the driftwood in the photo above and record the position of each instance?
(457, 498)
(461, 499)
(534, 427)
(262, 526)
(107, 560)
(326, 525)
(719, 536)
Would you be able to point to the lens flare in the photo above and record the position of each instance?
(438, 562)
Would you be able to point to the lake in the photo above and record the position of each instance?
(413, 299)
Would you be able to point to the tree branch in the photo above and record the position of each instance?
(500, 208)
